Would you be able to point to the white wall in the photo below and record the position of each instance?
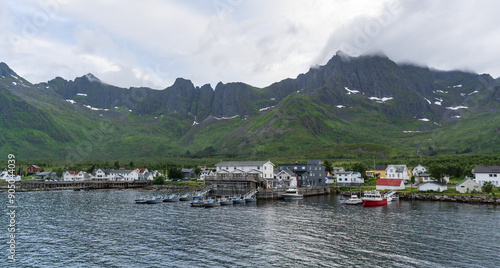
(483, 177)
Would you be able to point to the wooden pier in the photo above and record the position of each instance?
(305, 191)
(83, 185)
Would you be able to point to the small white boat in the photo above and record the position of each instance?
(354, 200)
(224, 201)
(292, 194)
(210, 203)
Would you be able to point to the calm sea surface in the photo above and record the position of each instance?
(107, 229)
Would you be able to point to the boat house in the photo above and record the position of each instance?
(468, 186)
(240, 177)
(432, 186)
(390, 184)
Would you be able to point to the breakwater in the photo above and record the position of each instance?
(451, 198)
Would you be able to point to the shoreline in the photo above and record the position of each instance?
(495, 200)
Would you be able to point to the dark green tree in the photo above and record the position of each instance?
(328, 166)
(117, 165)
(131, 165)
(159, 180)
(487, 187)
(174, 173)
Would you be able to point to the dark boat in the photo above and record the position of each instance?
(171, 198)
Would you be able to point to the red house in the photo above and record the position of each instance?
(34, 169)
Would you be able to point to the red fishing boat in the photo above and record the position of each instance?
(373, 198)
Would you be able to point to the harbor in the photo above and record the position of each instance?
(114, 231)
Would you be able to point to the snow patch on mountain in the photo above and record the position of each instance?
(349, 91)
(381, 100)
(457, 107)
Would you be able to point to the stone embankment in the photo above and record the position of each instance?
(451, 198)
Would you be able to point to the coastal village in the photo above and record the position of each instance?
(240, 177)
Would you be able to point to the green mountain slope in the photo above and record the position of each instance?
(351, 106)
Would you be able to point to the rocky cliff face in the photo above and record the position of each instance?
(372, 82)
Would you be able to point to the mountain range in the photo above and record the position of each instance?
(351, 105)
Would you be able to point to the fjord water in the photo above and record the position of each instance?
(107, 229)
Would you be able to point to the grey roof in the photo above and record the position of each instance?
(289, 172)
(434, 182)
(186, 170)
(241, 163)
(486, 169)
(467, 180)
(380, 167)
(399, 168)
(121, 171)
(424, 175)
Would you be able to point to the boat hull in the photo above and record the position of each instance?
(373, 203)
(357, 202)
(153, 201)
(211, 205)
(248, 200)
(239, 201)
(226, 203)
(171, 200)
(197, 204)
(292, 197)
(187, 198)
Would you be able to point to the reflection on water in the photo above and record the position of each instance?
(106, 228)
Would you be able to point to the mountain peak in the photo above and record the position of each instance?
(92, 78)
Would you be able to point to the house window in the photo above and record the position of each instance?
(495, 175)
(491, 175)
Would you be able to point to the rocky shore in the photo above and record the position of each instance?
(451, 198)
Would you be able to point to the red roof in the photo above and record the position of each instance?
(73, 172)
(141, 170)
(389, 182)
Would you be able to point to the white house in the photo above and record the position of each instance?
(72, 175)
(432, 186)
(468, 186)
(419, 170)
(397, 172)
(285, 179)
(4, 175)
(483, 174)
(390, 184)
(265, 169)
(124, 175)
(349, 178)
(101, 174)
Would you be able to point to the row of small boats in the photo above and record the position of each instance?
(197, 200)
(223, 201)
(170, 198)
(372, 198)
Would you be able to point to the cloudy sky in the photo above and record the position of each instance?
(152, 42)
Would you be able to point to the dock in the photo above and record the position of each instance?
(83, 185)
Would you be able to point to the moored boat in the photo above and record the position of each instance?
(354, 200)
(140, 201)
(171, 198)
(238, 200)
(154, 200)
(212, 203)
(226, 201)
(186, 197)
(197, 203)
(373, 198)
(249, 199)
(292, 194)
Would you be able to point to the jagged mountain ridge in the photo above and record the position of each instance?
(348, 100)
